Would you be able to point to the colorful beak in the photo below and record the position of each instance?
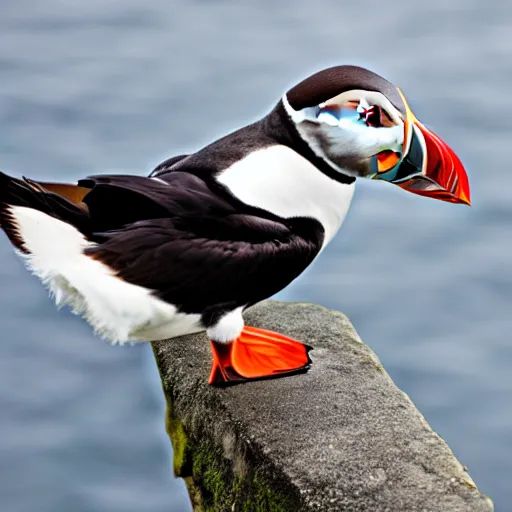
(428, 166)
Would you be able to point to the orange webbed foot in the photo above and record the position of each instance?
(257, 354)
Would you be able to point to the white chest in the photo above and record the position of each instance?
(279, 180)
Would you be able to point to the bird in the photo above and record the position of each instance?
(206, 235)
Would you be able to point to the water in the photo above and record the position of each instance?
(89, 87)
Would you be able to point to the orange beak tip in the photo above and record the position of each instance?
(464, 199)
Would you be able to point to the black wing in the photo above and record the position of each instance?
(194, 244)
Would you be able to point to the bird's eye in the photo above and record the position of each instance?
(372, 116)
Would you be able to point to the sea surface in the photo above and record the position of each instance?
(119, 85)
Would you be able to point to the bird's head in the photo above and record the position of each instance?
(361, 125)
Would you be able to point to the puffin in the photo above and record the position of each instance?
(207, 235)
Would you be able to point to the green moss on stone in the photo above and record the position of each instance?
(212, 474)
(212, 483)
(180, 444)
(264, 498)
(221, 490)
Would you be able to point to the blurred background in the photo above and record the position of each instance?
(119, 85)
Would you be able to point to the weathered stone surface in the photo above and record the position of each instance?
(342, 437)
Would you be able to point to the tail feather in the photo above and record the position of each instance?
(8, 224)
(62, 202)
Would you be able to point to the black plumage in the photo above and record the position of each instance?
(187, 239)
(181, 233)
(193, 244)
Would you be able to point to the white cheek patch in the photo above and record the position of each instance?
(349, 139)
(360, 140)
(334, 137)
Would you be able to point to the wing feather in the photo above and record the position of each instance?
(196, 247)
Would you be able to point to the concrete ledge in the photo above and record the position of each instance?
(342, 437)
